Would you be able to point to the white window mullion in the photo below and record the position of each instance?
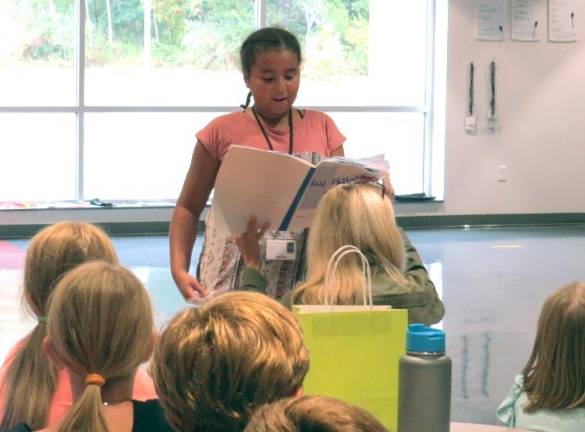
(260, 12)
(429, 98)
(80, 101)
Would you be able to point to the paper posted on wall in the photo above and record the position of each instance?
(490, 21)
(526, 22)
(562, 21)
(279, 188)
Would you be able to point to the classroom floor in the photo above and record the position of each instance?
(493, 282)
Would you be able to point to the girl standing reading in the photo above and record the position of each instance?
(271, 60)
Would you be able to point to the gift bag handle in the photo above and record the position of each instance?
(332, 268)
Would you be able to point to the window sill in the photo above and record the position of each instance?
(415, 198)
(83, 205)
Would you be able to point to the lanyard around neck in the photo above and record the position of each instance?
(267, 138)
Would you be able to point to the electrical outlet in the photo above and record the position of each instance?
(502, 173)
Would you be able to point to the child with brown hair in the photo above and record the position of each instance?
(100, 328)
(313, 414)
(216, 364)
(549, 395)
(32, 389)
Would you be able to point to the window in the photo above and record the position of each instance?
(102, 98)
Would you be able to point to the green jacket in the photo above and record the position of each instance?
(418, 295)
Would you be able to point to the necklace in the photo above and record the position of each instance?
(265, 133)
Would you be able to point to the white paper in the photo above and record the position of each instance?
(260, 183)
(328, 175)
(562, 20)
(491, 20)
(254, 182)
(526, 23)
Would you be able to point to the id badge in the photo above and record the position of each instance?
(281, 248)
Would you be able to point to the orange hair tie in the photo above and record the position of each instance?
(95, 379)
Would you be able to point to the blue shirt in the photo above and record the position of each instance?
(511, 412)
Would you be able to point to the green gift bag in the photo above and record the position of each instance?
(355, 349)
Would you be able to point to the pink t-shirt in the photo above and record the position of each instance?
(315, 132)
(142, 390)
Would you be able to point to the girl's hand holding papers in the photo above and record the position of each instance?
(249, 243)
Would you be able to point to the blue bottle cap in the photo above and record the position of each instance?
(420, 338)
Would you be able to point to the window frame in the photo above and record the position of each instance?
(80, 109)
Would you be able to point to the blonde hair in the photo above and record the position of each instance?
(357, 215)
(554, 377)
(100, 322)
(313, 414)
(216, 364)
(31, 378)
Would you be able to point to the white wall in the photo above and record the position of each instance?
(541, 108)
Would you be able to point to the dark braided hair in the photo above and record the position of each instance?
(248, 98)
(262, 40)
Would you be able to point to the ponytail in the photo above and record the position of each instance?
(30, 381)
(31, 377)
(100, 322)
(86, 414)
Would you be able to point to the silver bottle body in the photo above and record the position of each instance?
(424, 396)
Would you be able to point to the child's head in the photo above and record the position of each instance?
(215, 364)
(100, 323)
(554, 377)
(57, 249)
(358, 215)
(271, 59)
(313, 414)
(51, 253)
(268, 38)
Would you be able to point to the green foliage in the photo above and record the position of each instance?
(334, 33)
(49, 25)
(165, 55)
(289, 14)
(356, 53)
(206, 34)
(215, 30)
(325, 53)
(357, 9)
(170, 16)
(127, 18)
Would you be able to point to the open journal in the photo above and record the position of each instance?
(280, 189)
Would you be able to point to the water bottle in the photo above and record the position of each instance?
(424, 393)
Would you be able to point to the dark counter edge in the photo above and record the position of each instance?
(407, 222)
